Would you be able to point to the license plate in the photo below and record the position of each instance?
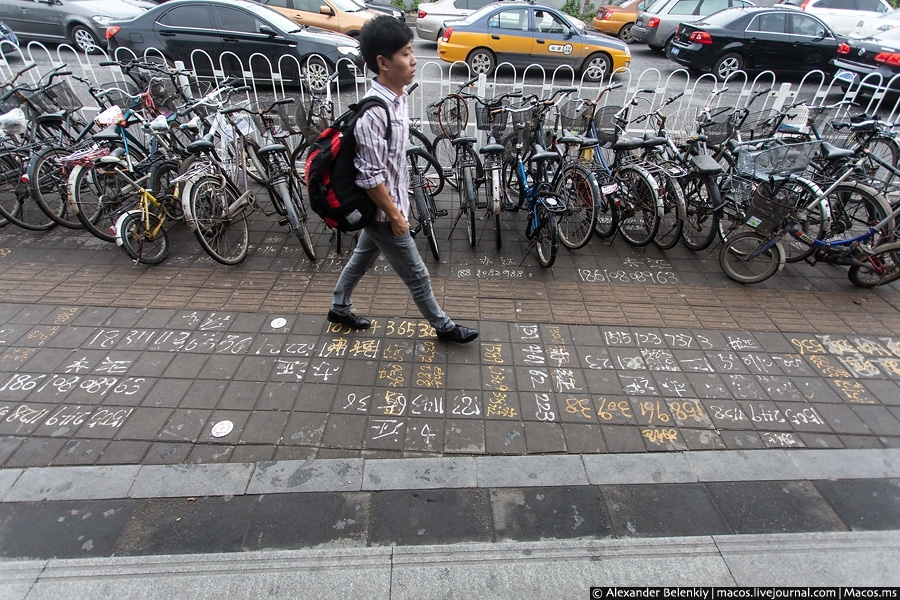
(549, 200)
(638, 22)
(674, 50)
(845, 75)
(612, 188)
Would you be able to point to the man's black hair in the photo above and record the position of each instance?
(382, 36)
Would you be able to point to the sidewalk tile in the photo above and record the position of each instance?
(73, 483)
(741, 465)
(419, 473)
(320, 475)
(522, 471)
(652, 510)
(615, 469)
(846, 464)
(155, 481)
(525, 514)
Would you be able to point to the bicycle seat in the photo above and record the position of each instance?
(492, 149)
(541, 155)
(626, 143)
(705, 164)
(652, 141)
(832, 152)
(200, 146)
(109, 134)
(111, 158)
(463, 139)
(50, 118)
(269, 148)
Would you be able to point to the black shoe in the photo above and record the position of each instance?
(459, 334)
(352, 321)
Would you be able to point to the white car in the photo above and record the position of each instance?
(841, 15)
(876, 24)
(431, 16)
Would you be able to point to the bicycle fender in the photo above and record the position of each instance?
(782, 258)
(70, 197)
(189, 219)
(118, 226)
(655, 186)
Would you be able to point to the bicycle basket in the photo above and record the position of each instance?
(760, 124)
(719, 126)
(313, 117)
(38, 103)
(575, 115)
(764, 213)
(496, 124)
(64, 97)
(452, 116)
(681, 124)
(777, 160)
(607, 124)
(824, 120)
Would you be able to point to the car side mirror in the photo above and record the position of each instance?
(641, 6)
(326, 10)
(267, 30)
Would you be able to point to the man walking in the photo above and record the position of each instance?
(387, 48)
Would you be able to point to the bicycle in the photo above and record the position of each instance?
(423, 209)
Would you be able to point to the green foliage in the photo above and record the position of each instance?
(404, 5)
(581, 9)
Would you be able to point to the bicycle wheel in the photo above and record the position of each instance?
(546, 236)
(417, 138)
(639, 213)
(298, 161)
(422, 213)
(16, 204)
(48, 180)
(493, 194)
(445, 154)
(99, 196)
(297, 216)
(608, 210)
(165, 189)
(701, 197)
(888, 150)
(469, 199)
(734, 258)
(577, 188)
(142, 237)
(671, 224)
(255, 168)
(854, 209)
(428, 166)
(884, 267)
(224, 237)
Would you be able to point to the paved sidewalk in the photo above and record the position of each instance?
(628, 416)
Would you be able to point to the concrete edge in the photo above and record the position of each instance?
(348, 475)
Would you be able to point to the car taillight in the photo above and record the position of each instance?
(111, 31)
(803, 4)
(606, 16)
(422, 14)
(701, 37)
(447, 33)
(653, 22)
(844, 49)
(888, 58)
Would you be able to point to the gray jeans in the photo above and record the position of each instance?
(404, 258)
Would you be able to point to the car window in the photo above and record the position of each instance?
(872, 5)
(232, 19)
(545, 22)
(655, 7)
(195, 16)
(710, 6)
(515, 19)
(740, 4)
(805, 25)
(684, 7)
(312, 6)
(473, 4)
(768, 23)
(279, 3)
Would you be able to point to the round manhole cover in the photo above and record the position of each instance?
(278, 323)
(222, 428)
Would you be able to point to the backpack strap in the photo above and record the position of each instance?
(365, 104)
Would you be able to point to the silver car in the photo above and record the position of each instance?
(81, 22)
(431, 16)
(656, 21)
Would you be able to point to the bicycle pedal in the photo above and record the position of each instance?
(283, 221)
(442, 213)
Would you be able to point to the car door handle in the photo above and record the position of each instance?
(495, 37)
(166, 34)
(230, 39)
(541, 42)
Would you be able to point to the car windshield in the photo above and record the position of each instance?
(619, 2)
(892, 35)
(654, 7)
(274, 17)
(723, 18)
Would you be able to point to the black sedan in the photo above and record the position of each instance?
(241, 29)
(755, 39)
(872, 61)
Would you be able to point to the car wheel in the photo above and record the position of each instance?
(625, 33)
(597, 66)
(728, 64)
(84, 39)
(481, 61)
(317, 73)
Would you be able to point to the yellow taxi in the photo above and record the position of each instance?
(616, 18)
(523, 34)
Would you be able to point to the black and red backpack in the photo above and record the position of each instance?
(331, 175)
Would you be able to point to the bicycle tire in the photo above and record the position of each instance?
(432, 173)
(546, 237)
(885, 267)
(639, 214)
(671, 224)
(255, 168)
(855, 208)
(469, 197)
(297, 216)
(98, 198)
(135, 237)
(701, 224)
(577, 188)
(16, 203)
(48, 180)
(734, 263)
(165, 189)
(801, 192)
(226, 239)
(424, 216)
(445, 154)
(493, 191)
(608, 211)
(887, 149)
(417, 138)
(298, 161)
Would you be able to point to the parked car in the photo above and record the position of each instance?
(617, 18)
(178, 27)
(656, 22)
(841, 15)
(431, 16)
(876, 24)
(858, 57)
(386, 8)
(524, 34)
(7, 35)
(755, 39)
(343, 16)
(81, 22)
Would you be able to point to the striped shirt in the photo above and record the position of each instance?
(379, 160)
